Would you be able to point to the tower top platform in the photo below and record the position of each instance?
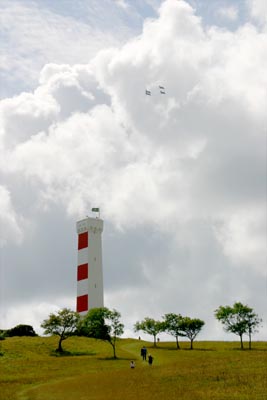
(89, 224)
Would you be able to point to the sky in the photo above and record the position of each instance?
(180, 177)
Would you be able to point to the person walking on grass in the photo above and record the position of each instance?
(132, 364)
(143, 353)
(150, 359)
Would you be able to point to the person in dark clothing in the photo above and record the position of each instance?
(150, 359)
(143, 352)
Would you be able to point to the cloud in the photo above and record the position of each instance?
(258, 10)
(10, 222)
(31, 314)
(122, 3)
(33, 34)
(180, 177)
(243, 238)
(230, 13)
(32, 111)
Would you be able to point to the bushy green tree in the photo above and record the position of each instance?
(21, 330)
(104, 324)
(190, 327)
(3, 334)
(238, 319)
(2, 337)
(63, 324)
(173, 326)
(151, 327)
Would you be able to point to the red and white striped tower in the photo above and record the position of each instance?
(89, 269)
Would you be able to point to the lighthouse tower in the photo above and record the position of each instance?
(89, 269)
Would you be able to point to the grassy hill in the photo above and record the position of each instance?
(31, 370)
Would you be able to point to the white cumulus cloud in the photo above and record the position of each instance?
(258, 9)
(11, 224)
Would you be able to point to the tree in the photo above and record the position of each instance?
(3, 334)
(253, 321)
(104, 324)
(63, 324)
(190, 327)
(173, 326)
(238, 319)
(151, 327)
(21, 330)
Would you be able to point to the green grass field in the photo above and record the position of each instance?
(30, 370)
